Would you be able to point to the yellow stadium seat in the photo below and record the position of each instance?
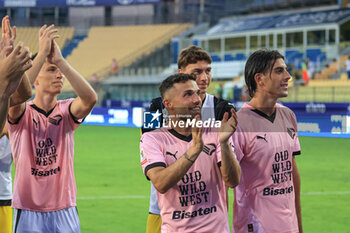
(124, 43)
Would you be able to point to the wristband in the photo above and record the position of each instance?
(188, 158)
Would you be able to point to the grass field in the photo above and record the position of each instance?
(113, 192)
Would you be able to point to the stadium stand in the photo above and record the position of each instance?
(124, 43)
(326, 92)
(72, 44)
(29, 35)
(332, 71)
(312, 34)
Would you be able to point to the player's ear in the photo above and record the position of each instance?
(259, 79)
(36, 82)
(180, 71)
(167, 103)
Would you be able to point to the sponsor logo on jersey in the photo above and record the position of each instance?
(173, 155)
(262, 137)
(35, 123)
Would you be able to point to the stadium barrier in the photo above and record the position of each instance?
(314, 119)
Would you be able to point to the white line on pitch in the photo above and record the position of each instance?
(146, 197)
(326, 193)
(113, 197)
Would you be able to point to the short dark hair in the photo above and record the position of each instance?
(175, 78)
(261, 61)
(191, 55)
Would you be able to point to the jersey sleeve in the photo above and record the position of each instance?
(67, 114)
(296, 146)
(15, 128)
(238, 141)
(151, 154)
(16, 124)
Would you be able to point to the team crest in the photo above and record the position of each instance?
(291, 132)
(209, 149)
(55, 120)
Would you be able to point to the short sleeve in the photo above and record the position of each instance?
(65, 108)
(17, 126)
(238, 141)
(151, 154)
(296, 143)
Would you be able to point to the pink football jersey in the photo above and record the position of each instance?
(43, 150)
(265, 146)
(197, 203)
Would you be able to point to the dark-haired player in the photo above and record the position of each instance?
(266, 143)
(196, 61)
(189, 165)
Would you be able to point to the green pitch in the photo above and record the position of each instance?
(113, 193)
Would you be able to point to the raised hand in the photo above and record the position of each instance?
(8, 35)
(13, 64)
(46, 36)
(197, 145)
(228, 126)
(55, 55)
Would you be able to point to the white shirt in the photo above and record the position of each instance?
(5, 169)
(347, 63)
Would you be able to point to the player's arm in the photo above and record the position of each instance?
(4, 132)
(230, 168)
(8, 37)
(16, 63)
(87, 97)
(4, 104)
(12, 68)
(23, 92)
(165, 178)
(296, 181)
(46, 36)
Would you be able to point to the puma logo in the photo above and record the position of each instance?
(35, 123)
(173, 155)
(261, 137)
